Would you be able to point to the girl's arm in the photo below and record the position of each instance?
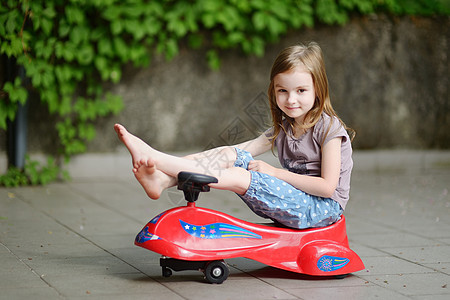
(257, 146)
(323, 186)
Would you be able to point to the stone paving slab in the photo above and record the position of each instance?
(74, 240)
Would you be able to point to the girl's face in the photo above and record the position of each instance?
(294, 92)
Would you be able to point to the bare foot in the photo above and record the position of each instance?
(151, 179)
(138, 149)
(144, 168)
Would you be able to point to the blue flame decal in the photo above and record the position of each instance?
(145, 236)
(218, 231)
(331, 263)
(155, 219)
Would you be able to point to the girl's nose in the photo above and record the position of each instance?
(292, 98)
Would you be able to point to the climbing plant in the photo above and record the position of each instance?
(71, 48)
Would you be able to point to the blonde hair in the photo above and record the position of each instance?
(309, 57)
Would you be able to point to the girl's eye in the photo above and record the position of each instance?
(281, 90)
(301, 91)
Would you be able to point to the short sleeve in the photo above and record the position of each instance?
(329, 128)
(269, 133)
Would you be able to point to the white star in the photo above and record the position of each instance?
(187, 227)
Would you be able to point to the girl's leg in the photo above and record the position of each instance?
(157, 164)
(233, 179)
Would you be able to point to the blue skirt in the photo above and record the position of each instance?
(275, 199)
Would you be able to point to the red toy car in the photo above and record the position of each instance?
(193, 238)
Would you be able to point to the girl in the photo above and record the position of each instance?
(312, 143)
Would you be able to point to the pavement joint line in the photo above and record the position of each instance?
(101, 204)
(384, 285)
(265, 281)
(41, 277)
(392, 227)
(389, 254)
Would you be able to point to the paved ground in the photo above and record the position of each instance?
(75, 240)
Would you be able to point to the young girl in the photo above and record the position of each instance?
(312, 143)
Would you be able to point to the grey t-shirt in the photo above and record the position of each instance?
(303, 155)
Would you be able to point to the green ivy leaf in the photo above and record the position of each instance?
(74, 15)
(13, 21)
(86, 131)
(213, 59)
(17, 93)
(116, 26)
(121, 48)
(171, 48)
(7, 111)
(79, 34)
(151, 25)
(85, 54)
(259, 20)
(114, 103)
(111, 12)
(68, 51)
(105, 47)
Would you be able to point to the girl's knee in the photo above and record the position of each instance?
(228, 155)
(234, 179)
(242, 179)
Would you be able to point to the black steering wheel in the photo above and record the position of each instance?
(194, 183)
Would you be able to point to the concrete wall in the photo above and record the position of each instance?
(388, 77)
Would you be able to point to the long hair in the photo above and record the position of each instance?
(309, 57)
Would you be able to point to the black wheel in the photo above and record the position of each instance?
(342, 276)
(166, 272)
(216, 271)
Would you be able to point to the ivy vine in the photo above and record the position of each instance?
(71, 48)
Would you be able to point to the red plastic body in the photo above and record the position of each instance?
(199, 234)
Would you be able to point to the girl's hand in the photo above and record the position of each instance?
(262, 167)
